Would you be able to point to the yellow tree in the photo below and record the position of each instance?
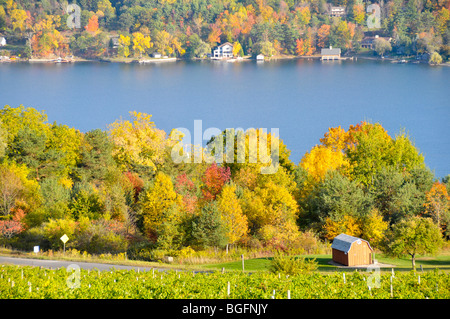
(236, 48)
(442, 18)
(18, 19)
(269, 204)
(105, 7)
(336, 138)
(231, 211)
(156, 201)
(176, 47)
(138, 142)
(373, 227)
(359, 12)
(304, 15)
(162, 42)
(322, 159)
(141, 43)
(124, 45)
(347, 224)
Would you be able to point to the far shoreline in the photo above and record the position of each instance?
(282, 57)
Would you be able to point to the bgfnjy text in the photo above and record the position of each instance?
(244, 308)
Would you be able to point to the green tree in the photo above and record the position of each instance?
(395, 195)
(208, 228)
(381, 46)
(29, 148)
(85, 202)
(412, 236)
(96, 156)
(337, 196)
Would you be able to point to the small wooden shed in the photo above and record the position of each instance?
(351, 251)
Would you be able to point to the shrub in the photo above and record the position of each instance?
(141, 251)
(291, 265)
(102, 236)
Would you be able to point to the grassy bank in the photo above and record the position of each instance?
(441, 262)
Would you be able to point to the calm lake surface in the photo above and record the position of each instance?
(302, 98)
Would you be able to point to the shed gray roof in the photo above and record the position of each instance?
(344, 242)
(331, 51)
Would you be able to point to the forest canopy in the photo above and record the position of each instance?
(112, 192)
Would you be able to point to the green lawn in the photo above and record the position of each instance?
(400, 264)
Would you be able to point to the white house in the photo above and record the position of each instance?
(336, 11)
(260, 57)
(156, 55)
(2, 41)
(223, 51)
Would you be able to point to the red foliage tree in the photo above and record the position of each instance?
(214, 179)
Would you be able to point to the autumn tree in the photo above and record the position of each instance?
(269, 204)
(322, 159)
(322, 36)
(346, 224)
(92, 25)
(124, 45)
(156, 201)
(141, 43)
(138, 144)
(18, 19)
(375, 149)
(230, 209)
(11, 189)
(359, 14)
(214, 35)
(237, 48)
(214, 179)
(373, 227)
(162, 42)
(437, 205)
(16, 189)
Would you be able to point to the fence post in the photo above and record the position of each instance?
(242, 257)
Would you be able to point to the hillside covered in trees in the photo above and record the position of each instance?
(191, 28)
(119, 190)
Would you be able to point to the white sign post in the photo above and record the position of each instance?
(36, 249)
(64, 239)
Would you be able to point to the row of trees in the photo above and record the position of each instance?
(119, 189)
(193, 27)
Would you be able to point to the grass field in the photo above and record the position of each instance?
(400, 264)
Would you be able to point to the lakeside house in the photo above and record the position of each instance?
(114, 42)
(260, 57)
(330, 54)
(336, 11)
(2, 41)
(224, 50)
(156, 55)
(368, 42)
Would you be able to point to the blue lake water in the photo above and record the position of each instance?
(302, 98)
